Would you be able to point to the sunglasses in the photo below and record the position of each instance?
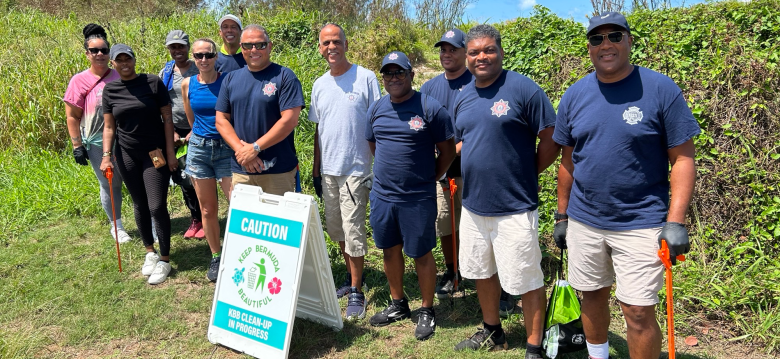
(400, 74)
(95, 50)
(258, 45)
(614, 37)
(202, 55)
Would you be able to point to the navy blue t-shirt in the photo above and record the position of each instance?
(255, 101)
(226, 63)
(621, 132)
(499, 125)
(406, 138)
(445, 91)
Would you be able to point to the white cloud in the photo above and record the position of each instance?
(471, 6)
(526, 4)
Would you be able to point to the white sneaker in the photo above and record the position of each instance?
(123, 236)
(160, 273)
(149, 263)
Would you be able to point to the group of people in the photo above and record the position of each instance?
(490, 130)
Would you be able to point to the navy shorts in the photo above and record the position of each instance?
(412, 224)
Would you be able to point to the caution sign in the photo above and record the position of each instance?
(270, 242)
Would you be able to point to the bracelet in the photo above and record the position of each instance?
(107, 154)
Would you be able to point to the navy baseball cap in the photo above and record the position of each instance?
(396, 58)
(119, 49)
(610, 18)
(454, 37)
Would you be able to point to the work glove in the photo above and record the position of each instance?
(676, 237)
(559, 234)
(80, 155)
(317, 186)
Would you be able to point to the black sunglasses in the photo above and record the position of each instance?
(614, 37)
(258, 45)
(95, 50)
(207, 55)
(400, 74)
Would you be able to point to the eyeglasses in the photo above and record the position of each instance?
(202, 55)
(258, 45)
(95, 50)
(400, 74)
(614, 37)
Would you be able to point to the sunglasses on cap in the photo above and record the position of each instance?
(202, 55)
(614, 37)
(400, 74)
(258, 45)
(95, 50)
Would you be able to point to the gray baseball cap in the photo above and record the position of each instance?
(230, 17)
(119, 49)
(177, 37)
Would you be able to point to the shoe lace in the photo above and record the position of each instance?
(214, 264)
(445, 279)
(481, 336)
(355, 299)
(424, 318)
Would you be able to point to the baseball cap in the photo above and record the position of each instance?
(177, 37)
(610, 18)
(230, 17)
(119, 49)
(396, 58)
(454, 37)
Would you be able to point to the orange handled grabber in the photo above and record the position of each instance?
(664, 254)
(453, 189)
(110, 175)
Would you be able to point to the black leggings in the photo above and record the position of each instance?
(148, 186)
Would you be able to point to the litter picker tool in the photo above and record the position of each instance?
(453, 189)
(664, 254)
(109, 173)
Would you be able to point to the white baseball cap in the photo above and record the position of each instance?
(230, 17)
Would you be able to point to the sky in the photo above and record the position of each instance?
(500, 10)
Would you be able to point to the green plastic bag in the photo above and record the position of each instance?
(563, 327)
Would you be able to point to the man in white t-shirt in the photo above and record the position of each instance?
(342, 159)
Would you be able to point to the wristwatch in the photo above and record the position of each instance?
(256, 147)
(107, 154)
(560, 216)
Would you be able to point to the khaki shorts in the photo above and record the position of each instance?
(597, 256)
(345, 220)
(277, 183)
(443, 217)
(507, 245)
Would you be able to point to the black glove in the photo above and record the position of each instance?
(318, 186)
(676, 237)
(80, 155)
(559, 234)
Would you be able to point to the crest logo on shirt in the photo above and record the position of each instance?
(450, 34)
(416, 123)
(393, 56)
(633, 115)
(500, 108)
(352, 97)
(269, 89)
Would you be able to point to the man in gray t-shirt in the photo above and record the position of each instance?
(342, 158)
(174, 72)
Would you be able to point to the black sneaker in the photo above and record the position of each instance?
(446, 285)
(506, 305)
(213, 269)
(532, 356)
(484, 339)
(426, 324)
(391, 314)
(343, 289)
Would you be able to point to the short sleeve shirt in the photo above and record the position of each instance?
(499, 125)
(255, 101)
(620, 133)
(339, 105)
(135, 105)
(177, 104)
(226, 63)
(406, 135)
(446, 91)
(91, 104)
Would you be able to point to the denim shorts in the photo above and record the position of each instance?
(207, 158)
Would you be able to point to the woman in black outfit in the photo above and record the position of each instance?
(138, 108)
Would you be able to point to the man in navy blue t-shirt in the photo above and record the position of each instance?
(257, 111)
(498, 119)
(445, 88)
(229, 57)
(404, 129)
(620, 128)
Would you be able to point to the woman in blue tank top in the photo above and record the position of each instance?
(208, 157)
